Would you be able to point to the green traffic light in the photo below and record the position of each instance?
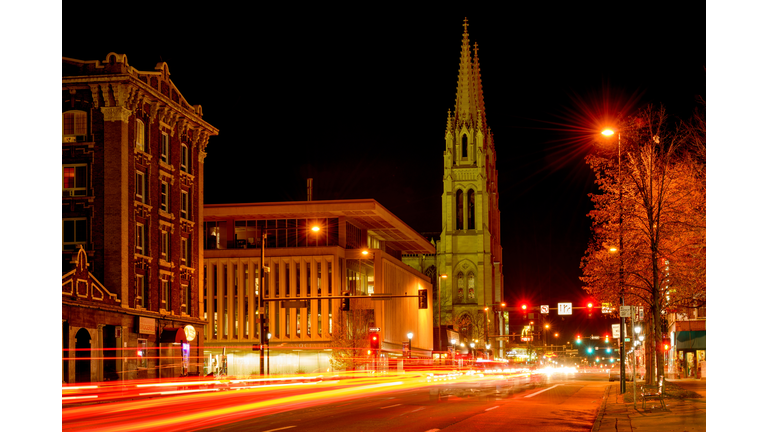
(589, 350)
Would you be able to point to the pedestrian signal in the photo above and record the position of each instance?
(423, 299)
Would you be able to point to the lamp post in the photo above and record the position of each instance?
(453, 342)
(440, 313)
(472, 345)
(261, 304)
(623, 386)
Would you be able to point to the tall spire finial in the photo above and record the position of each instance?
(465, 25)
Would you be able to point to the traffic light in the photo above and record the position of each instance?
(665, 344)
(524, 308)
(589, 350)
(578, 339)
(422, 299)
(345, 303)
(374, 341)
(589, 309)
(607, 339)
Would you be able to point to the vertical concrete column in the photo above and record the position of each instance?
(118, 205)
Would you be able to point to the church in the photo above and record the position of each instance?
(466, 269)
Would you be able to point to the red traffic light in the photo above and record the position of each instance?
(374, 341)
(589, 305)
(524, 307)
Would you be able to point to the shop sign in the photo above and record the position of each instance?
(146, 325)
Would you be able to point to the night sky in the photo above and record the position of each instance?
(359, 104)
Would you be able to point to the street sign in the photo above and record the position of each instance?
(625, 311)
(288, 304)
(545, 309)
(607, 308)
(641, 313)
(595, 337)
(616, 330)
(564, 309)
(373, 329)
(571, 351)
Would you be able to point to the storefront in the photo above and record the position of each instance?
(690, 354)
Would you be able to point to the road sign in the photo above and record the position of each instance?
(545, 309)
(373, 329)
(625, 311)
(641, 313)
(288, 304)
(594, 337)
(616, 330)
(607, 308)
(564, 309)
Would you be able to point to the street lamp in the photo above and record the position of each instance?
(453, 342)
(440, 312)
(472, 345)
(610, 132)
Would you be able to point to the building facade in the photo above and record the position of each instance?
(132, 201)
(468, 251)
(308, 273)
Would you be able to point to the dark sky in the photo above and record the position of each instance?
(358, 100)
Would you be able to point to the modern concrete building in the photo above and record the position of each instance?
(308, 273)
(468, 251)
(132, 199)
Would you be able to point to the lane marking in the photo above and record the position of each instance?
(390, 406)
(287, 427)
(432, 430)
(492, 408)
(418, 409)
(542, 391)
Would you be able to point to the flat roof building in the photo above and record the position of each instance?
(356, 249)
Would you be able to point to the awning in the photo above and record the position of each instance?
(691, 340)
(173, 335)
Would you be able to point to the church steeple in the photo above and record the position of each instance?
(466, 92)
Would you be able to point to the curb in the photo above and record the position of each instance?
(601, 411)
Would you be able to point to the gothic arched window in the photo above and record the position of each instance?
(464, 146)
(460, 285)
(459, 210)
(471, 286)
(471, 210)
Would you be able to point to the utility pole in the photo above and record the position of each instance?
(262, 336)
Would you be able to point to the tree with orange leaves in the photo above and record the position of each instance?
(654, 205)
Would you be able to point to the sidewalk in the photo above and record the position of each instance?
(682, 414)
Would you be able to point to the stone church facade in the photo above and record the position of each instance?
(468, 251)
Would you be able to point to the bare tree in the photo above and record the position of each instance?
(350, 339)
(660, 220)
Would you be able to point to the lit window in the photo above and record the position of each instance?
(140, 135)
(75, 179)
(164, 148)
(74, 232)
(141, 353)
(185, 294)
(74, 126)
(186, 251)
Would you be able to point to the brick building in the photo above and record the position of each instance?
(132, 201)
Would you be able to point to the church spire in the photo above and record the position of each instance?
(466, 102)
(479, 90)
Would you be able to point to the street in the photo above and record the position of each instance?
(567, 402)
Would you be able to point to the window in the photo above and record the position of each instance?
(164, 201)
(140, 135)
(140, 300)
(185, 252)
(463, 146)
(459, 210)
(140, 240)
(165, 300)
(185, 298)
(75, 179)
(74, 126)
(471, 210)
(184, 158)
(164, 148)
(74, 233)
(460, 278)
(140, 187)
(184, 205)
(141, 353)
(165, 245)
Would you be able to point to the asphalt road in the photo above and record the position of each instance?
(537, 403)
